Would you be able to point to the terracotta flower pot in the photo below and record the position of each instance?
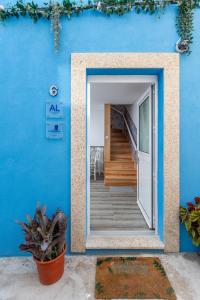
(51, 271)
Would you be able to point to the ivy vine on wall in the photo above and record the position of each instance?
(54, 11)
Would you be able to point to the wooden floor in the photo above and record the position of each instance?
(114, 208)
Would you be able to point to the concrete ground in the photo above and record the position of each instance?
(18, 278)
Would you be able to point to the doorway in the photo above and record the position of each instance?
(121, 151)
(166, 67)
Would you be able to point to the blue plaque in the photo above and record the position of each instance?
(54, 130)
(54, 109)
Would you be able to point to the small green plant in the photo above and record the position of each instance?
(184, 24)
(44, 236)
(190, 217)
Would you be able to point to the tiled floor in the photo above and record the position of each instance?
(114, 208)
(18, 278)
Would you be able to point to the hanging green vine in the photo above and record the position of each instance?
(55, 25)
(184, 24)
(53, 11)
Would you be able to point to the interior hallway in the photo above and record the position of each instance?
(114, 208)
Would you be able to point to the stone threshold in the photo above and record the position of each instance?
(124, 242)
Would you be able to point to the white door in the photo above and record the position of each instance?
(145, 200)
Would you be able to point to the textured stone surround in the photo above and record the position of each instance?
(125, 242)
(169, 62)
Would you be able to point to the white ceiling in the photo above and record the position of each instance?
(116, 93)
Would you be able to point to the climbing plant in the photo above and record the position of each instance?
(54, 11)
(184, 24)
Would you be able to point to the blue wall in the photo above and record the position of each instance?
(33, 168)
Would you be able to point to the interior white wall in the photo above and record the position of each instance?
(97, 125)
(118, 92)
(126, 93)
(132, 109)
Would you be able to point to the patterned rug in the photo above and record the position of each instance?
(132, 278)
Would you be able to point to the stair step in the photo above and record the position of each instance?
(122, 168)
(116, 130)
(120, 144)
(123, 156)
(118, 135)
(120, 150)
(120, 176)
(120, 182)
(121, 172)
(119, 140)
(120, 164)
(121, 159)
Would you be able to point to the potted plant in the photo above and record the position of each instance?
(45, 239)
(190, 217)
(182, 46)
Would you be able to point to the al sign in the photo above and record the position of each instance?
(54, 110)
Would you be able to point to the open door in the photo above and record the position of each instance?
(107, 132)
(145, 157)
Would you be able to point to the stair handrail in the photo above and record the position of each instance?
(127, 126)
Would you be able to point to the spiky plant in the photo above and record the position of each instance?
(45, 237)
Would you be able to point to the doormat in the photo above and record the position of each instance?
(132, 278)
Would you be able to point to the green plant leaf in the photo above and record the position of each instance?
(188, 225)
(195, 216)
(45, 238)
(52, 11)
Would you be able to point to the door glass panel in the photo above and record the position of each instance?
(144, 126)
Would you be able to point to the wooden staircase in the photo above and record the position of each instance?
(121, 170)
